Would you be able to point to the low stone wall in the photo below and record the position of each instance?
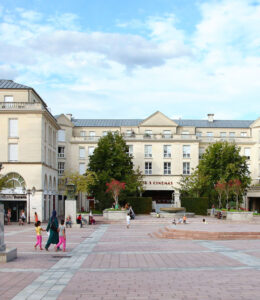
(239, 216)
(114, 214)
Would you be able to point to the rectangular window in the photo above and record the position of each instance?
(167, 168)
(247, 152)
(243, 134)
(130, 150)
(61, 152)
(186, 168)
(82, 152)
(185, 135)
(13, 128)
(148, 168)
(147, 150)
(210, 136)
(82, 169)
(61, 167)
(186, 151)
(8, 98)
(104, 133)
(223, 134)
(45, 132)
(82, 133)
(201, 152)
(231, 134)
(167, 134)
(13, 152)
(167, 151)
(198, 134)
(50, 136)
(148, 134)
(61, 135)
(90, 150)
(92, 135)
(129, 133)
(54, 139)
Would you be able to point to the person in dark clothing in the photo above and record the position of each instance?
(52, 227)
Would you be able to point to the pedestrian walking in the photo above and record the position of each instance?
(9, 214)
(52, 228)
(38, 230)
(128, 221)
(36, 217)
(62, 236)
(22, 218)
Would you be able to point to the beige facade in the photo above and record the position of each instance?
(36, 149)
(28, 142)
(164, 149)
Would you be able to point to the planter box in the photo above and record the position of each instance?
(114, 214)
(239, 216)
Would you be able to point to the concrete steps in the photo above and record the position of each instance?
(169, 233)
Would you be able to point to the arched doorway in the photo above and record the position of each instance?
(14, 197)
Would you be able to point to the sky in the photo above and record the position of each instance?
(129, 58)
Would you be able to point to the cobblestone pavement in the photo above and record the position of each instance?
(109, 261)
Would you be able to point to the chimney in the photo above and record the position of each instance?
(210, 117)
(69, 116)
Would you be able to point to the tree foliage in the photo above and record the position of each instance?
(82, 183)
(220, 164)
(111, 160)
(3, 180)
(114, 187)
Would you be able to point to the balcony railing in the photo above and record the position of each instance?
(145, 136)
(238, 139)
(21, 106)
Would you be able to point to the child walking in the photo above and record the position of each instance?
(38, 230)
(127, 220)
(62, 236)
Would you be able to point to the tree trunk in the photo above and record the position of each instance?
(219, 201)
(237, 201)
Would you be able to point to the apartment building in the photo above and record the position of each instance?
(163, 148)
(28, 152)
(36, 149)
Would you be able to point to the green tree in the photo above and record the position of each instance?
(82, 183)
(3, 180)
(221, 162)
(111, 160)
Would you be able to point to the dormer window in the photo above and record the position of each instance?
(9, 98)
(82, 133)
(167, 134)
(148, 134)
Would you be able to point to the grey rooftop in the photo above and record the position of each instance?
(183, 123)
(10, 84)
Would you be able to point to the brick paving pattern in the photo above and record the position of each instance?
(108, 261)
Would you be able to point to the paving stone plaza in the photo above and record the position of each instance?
(109, 261)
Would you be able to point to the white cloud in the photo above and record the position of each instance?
(215, 69)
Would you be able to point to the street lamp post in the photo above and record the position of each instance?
(29, 192)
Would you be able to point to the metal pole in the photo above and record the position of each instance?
(29, 204)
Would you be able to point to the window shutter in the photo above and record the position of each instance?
(13, 128)
(13, 152)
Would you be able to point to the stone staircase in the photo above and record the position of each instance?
(168, 233)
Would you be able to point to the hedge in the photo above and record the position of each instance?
(140, 205)
(197, 205)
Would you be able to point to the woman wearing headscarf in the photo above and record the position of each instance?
(52, 227)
